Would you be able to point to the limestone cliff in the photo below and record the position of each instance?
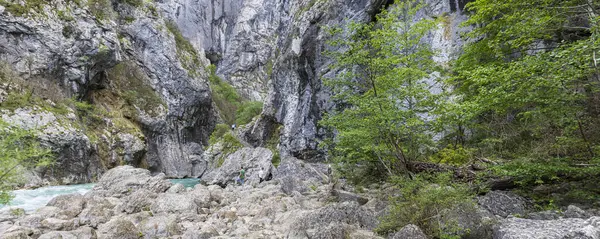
(132, 74)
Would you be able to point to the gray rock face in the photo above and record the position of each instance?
(252, 159)
(573, 228)
(72, 53)
(575, 212)
(409, 231)
(503, 203)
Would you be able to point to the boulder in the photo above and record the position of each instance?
(544, 215)
(70, 205)
(138, 201)
(124, 180)
(97, 211)
(176, 188)
(296, 175)
(80, 233)
(575, 212)
(160, 226)
(409, 231)
(570, 228)
(201, 196)
(349, 213)
(118, 228)
(174, 203)
(344, 196)
(252, 159)
(504, 203)
(59, 224)
(19, 232)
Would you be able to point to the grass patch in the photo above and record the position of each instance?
(272, 145)
(230, 144)
(247, 111)
(185, 50)
(16, 9)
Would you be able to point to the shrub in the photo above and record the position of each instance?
(218, 133)
(224, 95)
(453, 155)
(428, 201)
(18, 148)
(247, 111)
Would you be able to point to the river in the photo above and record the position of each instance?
(31, 200)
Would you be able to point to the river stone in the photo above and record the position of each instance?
(80, 233)
(97, 211)
(19, 232)
(570, 228)
(138, 201)
(118, 228)
(70, 205)
(160, 226)
(174, 203)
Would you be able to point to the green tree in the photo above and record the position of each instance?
(382, 91)
(529, 78)
(19, 149)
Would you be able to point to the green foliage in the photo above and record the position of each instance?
(453, 155)
(230, 144)
(272, 144)
(185, 50)
(218, 133)
(135, 3)
(247, 111)
(17, 212)
(428, 201)
(525, 98)
(225, 97)
(384, 121)
(102, 9)
(15, 7)
(19, 148)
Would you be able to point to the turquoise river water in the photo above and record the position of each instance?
(31, 200)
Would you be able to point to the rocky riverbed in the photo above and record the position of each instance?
(129, 202)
